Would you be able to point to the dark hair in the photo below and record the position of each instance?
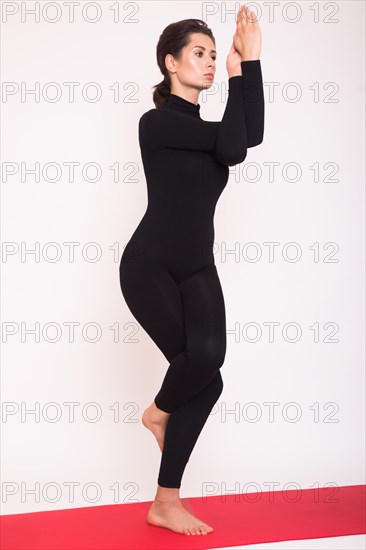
(172, 40)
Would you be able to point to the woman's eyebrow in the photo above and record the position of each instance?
(204, 48)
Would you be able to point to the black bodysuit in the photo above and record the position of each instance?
(168, 275)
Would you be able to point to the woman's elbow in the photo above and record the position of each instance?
(253, 141)
(232, 158)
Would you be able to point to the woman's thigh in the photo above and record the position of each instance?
(186, 316)
(154, 299)
(204, 313)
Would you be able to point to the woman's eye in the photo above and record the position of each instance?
(214, 58)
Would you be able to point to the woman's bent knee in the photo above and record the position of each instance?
(208, 359)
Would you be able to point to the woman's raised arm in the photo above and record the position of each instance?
(253, 101)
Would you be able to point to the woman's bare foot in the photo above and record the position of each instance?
(155, 420)
(168, 511)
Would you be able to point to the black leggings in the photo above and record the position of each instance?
(186, 320)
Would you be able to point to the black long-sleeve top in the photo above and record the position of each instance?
(186, 162)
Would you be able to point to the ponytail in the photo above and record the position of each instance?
(161, 92)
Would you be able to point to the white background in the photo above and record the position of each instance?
(313, 71)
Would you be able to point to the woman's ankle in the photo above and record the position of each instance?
(167, 494)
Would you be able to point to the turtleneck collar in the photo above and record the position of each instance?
(180, 104)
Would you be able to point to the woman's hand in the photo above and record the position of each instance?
(233, 61)
(247, 39)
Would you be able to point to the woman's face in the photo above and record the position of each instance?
(197, 60)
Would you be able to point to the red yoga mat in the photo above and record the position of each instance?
(237, 520)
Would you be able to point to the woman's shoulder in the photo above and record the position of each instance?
(148, 119)
(154, 116)
(150, 115)
(154, 112)
(147, 113)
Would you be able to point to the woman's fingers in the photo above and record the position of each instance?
(252, 16)
(239, 14)
(244, 16)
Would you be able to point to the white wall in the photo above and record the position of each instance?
(320, 58)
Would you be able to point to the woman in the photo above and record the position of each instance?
(167, 272)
